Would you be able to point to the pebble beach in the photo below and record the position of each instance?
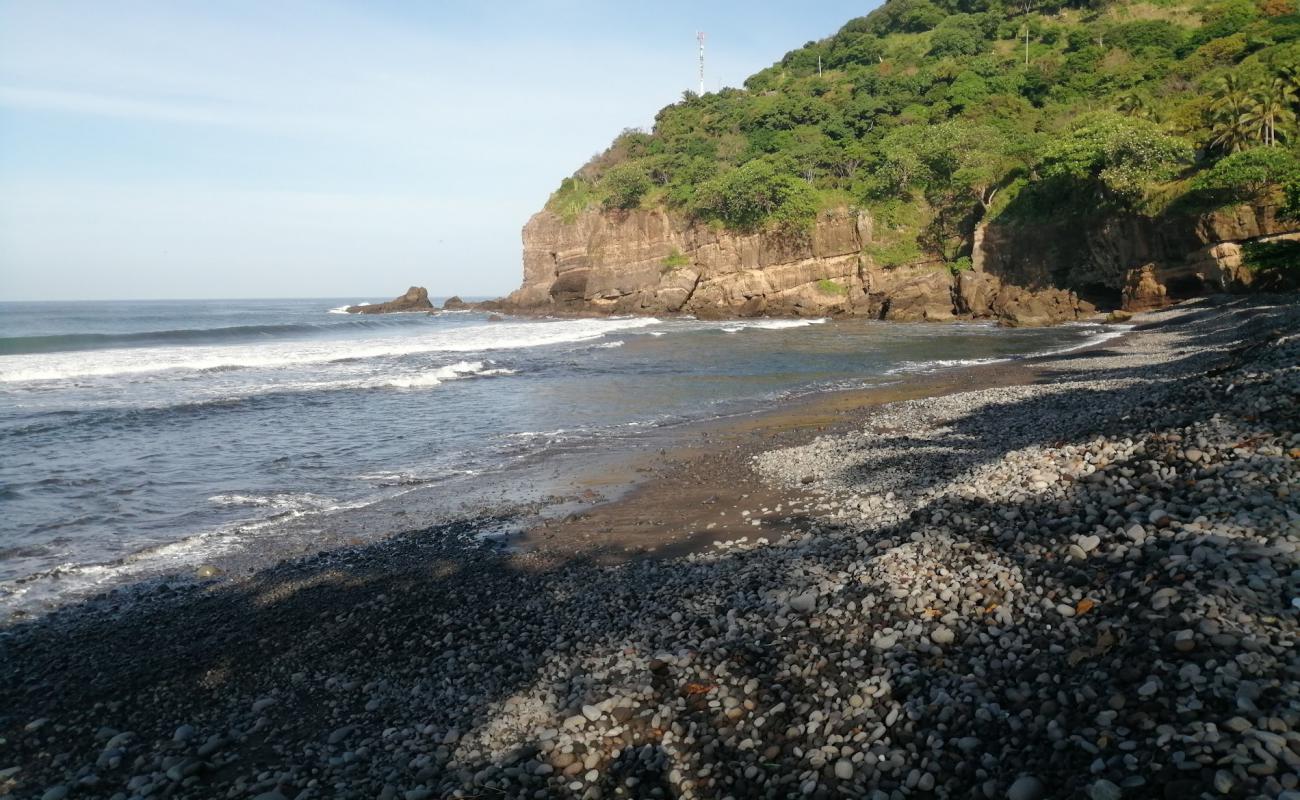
(1085, 584)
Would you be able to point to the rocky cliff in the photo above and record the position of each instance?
(647, 261)
(1133, 261)
(652, 262)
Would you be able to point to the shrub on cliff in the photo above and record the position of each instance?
(1291, 200)
(755, 193)
(1250, 174)
(1115, 158)
(624, 186)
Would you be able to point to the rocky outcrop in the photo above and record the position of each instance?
(980, 294)
(651, 262)
(648, 261)
(415, 299)
(1142, 291)
(454, 303)
(1137, 261)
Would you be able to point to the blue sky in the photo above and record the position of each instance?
(319, 149)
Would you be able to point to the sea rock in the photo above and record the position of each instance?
(1142, 292)
(922, 294)
(454, 303)
(415, 299)
(975, 293)
(1017, 307)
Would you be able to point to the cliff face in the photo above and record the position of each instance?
(1136, 261)
(651, 262)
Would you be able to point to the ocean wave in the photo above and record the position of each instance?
(1110, 332)
(771, 324)
(461, 369)
(908, 367)
(76, 342)
(30, 368)
(279, 500)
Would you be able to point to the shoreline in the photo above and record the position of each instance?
(503, 670)
(533, 497)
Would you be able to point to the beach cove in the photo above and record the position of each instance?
(1072, 576)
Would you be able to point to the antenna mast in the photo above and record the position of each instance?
(699, 36)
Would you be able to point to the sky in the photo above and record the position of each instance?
(187, 149)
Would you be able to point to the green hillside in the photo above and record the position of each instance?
(937, 114)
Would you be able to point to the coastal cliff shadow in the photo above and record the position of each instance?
(436, 632)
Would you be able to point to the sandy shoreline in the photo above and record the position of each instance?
(435, 664)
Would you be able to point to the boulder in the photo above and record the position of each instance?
(1023, 308)
(1143, 291)
(454, 303)
(927, 296)
(975, 293)
(415, 299)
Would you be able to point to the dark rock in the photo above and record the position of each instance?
(1023, 308)
(415, 299)
(1142, 292)
(975, 293)
(924, 296)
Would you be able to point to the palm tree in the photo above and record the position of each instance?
(1290, 75)
(1271, 107)
(1233, 115)
(1135, 104)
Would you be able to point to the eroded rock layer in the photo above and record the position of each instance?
(651, 262)
(1141, 262)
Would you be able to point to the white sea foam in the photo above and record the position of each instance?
(467, 339)
(611, 345)
(339, 310)
(1111, 332)
(437, 376)
(771, 324)
(942, 363)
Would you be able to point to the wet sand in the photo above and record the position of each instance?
(683, 499)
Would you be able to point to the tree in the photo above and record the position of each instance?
(1232, 112)
(1116, 158)
(1135, 103)
(1271, 107)
(757, 191)
(624, 185)
(1291, 205)
(967, 90)
(955, 38)
(1251, 174)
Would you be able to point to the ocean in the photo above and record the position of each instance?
(140, 439)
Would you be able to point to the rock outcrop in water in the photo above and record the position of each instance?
(415, 299)
(649, 261)
(653, 262)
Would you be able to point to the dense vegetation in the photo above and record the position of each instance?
(936, 114)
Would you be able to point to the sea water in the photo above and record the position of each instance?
(136, 437)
